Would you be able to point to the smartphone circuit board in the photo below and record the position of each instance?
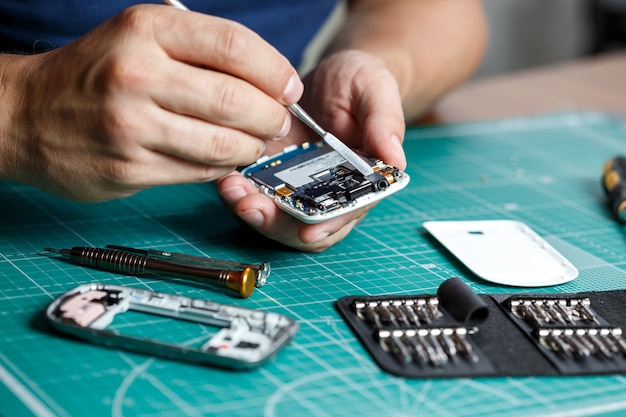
(314, 183)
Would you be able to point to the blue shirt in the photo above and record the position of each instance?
(30, 26)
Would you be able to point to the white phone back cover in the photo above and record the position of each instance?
(503, 251)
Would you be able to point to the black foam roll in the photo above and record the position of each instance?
(458, 299)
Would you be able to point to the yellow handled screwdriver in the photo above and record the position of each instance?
(241, 282)
(614, 182)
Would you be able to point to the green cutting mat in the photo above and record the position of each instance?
(544, 171)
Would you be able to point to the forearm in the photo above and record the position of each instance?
(12, 73)
(428, 45)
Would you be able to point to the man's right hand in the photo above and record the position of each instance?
(153, 96)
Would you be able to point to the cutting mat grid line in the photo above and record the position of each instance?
(542, 170)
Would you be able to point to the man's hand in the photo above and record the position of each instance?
(352, 95)
(387, 63)
(153, 96)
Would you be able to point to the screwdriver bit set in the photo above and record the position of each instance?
(458, 333)
(432, 346)
(413, 334)
(411, 312)
(421, 336)
(570, 332)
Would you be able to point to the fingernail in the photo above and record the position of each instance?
(286, 127)
(396, 140)
(254, 217)
(294, 90)
(234, 194)
(396, 143)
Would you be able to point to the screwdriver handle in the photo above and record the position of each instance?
(614, 183)
(126, 263)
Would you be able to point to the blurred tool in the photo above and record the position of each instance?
(126, 263)
(332, 141)
(262, 271)
(614, 181)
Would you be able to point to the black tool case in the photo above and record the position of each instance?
(457, 333)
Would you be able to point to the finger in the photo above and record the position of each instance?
(366, 106)
(220, 99)
(262, 214)
(298, 133)
(379, 111)
(121, 177)
(331, 231)
(228, 47)
(198, 142)
(163, 169)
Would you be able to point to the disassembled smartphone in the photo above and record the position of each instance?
(313, 183)
(246, 339)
